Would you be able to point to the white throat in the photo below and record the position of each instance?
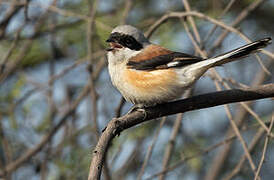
(121, 56)
(117, 63)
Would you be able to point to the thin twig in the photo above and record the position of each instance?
(244, 13)
(227, 8)
(237, 131)
(196, 155)
(240, 115)
(150, 148)
(118, 110)
(244, 105)
(11, 49)
(180, 15)
(192, 23)
(127, 8)
(171, 144)
(171, 141)
(197, 48)
(45, 139)
(264, 149)
(255, 141)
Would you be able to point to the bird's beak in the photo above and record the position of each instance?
(110, 40)
(109, 49)
(113, 44)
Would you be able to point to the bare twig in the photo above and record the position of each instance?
(240, 115)
(264, 149)
(7, 151)
(222, 14)
(11, 49)
(179, 15)
(238, 20)
(26, 10)
(45, 139)
(244, 105)
(119, 107)
(31, 152)
(26, 47)
(237, 132)
(207, 150)
(128, 6)
(254, 142)
(171, 144)
(197, 48)
(191, 20)
(150, 148)
(12, 11)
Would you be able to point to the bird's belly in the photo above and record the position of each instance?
(150, 87)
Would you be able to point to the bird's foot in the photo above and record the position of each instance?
(138, 107)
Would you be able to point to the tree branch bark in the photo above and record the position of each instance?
(117, 125)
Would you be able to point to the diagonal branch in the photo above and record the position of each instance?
(117, 125)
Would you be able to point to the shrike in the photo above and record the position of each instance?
(148, 74)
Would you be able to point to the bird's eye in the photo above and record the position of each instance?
(128, 41)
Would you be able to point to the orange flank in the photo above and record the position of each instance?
(149, 80)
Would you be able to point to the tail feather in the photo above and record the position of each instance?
(199, 68)
(241, 52)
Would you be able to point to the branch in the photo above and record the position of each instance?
(117, 125)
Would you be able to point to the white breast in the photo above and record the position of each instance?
(116, 66)
(116, 73)
(117, 61)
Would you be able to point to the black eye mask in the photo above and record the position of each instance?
(125, 40)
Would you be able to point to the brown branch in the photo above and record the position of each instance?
(117, 125)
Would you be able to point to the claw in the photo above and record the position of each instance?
(138, 107)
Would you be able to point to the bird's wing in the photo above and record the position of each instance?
(156, 57)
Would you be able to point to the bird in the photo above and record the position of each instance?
(148, 74)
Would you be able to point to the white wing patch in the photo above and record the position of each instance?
(173, 64)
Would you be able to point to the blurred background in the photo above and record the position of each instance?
(56, 95)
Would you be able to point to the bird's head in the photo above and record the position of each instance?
(126, 38)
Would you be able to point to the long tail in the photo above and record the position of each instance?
(198, 69)
(240, 52)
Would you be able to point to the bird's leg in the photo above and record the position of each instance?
(138, 107)
(135, 107)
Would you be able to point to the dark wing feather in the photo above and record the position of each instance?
(170, 60)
